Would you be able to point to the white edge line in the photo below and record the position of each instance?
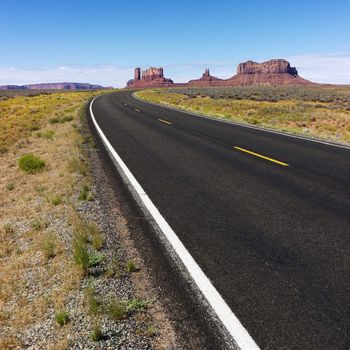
(259, 128)
(234, 327)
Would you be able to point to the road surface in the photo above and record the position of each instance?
(266, 216)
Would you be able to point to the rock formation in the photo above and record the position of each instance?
(151, 77)
(269, 67)
(273, 72)
(53, 86)
(206, 80)
(152, 74)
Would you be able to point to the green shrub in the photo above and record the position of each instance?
(10, 186)
(54, 121)
(85, 194)
(96, 259)
(36, 225)
(80, 232)
(131, 266)
(95, 234)
(134, 305)
(81, 254)
(97, 334)
(67, 118)
(117, 310)
(31, 164)
(49, 134)
(90, 197)
(56, 199)
(62, 317)
(151, 331)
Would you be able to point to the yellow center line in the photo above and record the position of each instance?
(165, 121)
(261, 156)
(137, 110)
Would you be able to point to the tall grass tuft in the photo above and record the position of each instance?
(31, 164)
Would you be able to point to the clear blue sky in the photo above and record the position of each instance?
(40, 34)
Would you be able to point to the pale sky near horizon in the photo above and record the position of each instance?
(101, 42)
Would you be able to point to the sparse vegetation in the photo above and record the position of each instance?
(81, 254)
(321, 112)
(96, 236)
(66, 118)
(49, 245)
(34, 127)
(84, 193)
(61, 120)
(131, 266)
(54, 120)
(48, 135)
(117, 309)
(31, 164)
(113, 270)
(77, 165)
(151, 331)
(62, 317)
(10, 186)
(36, 225)
(49, 250)
(97, 333)
(92, 301)
(8, 228)
(56, 199)
(135, 305)
(95, 259)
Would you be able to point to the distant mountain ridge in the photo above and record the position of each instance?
(53, 86)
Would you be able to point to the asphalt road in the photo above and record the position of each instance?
(267, 217)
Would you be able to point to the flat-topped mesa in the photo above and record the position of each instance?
(206, 79)
(273, 72)
(278, 66)
(151, 77)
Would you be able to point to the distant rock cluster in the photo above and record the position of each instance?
(273, 72)
(53, 86)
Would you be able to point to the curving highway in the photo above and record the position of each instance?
(265, 216)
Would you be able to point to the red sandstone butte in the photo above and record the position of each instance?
(273, 72)
(151, 77)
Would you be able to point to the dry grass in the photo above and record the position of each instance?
(37, 272)
(322, 112)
